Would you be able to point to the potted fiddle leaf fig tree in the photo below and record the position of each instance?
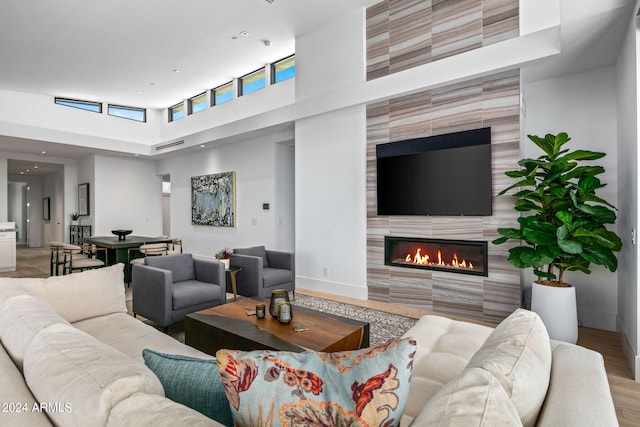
(563, 227)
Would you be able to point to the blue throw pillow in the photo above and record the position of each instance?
(367, 387)
(192, 382)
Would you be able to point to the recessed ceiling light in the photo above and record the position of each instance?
(244, 33)
(202, 146)
(43, 152)
(176, 70)
(35, 166)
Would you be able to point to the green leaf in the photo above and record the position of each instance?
(523, 183)
(510, 233)
(539, 237)
(499, 240)
(525, 257)
(581, 155)
(596, 199)
(558, 141)
(517, 173)
(585, 171)
(601, 236)
(601, 256)
(526, 205)
(589, 184)
(516, 254)
(544, 274)
(562, 233)
(544, 255)
(600, 214)
(544, 144)
(570, 246)
(566, 217)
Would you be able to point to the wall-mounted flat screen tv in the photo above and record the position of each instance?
(438, 175)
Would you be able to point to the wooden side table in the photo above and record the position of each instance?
(233, 271)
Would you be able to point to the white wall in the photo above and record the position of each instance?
(126, 194)
(254, 162)
(628, 295)
(330, 162)
(51, 122)
(331, 203)
(33, 211)
(584, 106)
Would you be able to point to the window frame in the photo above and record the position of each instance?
(190, 103)
(273, 69)
(171, 111)
(124, 107)
(58, 99)
(256, 71)
(213, 93)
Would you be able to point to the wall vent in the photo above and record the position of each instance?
(169, 145)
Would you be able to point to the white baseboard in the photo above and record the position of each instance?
(597, 319)
(629, 353)
(337, 288)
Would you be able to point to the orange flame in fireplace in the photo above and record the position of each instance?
(418, 258)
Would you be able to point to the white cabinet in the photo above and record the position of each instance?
(7, 246)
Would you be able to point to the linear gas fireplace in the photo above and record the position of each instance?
(455, 256)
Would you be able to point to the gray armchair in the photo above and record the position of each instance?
(263, 271)
(166, 288)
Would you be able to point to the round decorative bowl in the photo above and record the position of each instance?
(121, 233)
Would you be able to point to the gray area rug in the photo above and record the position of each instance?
(383, 326)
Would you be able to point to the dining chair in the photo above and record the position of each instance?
(82, 257)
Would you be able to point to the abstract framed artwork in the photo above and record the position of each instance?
(83, 199)
(213, 199)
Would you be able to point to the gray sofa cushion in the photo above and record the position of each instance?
(192, 292)
(181, 266)
(275, 276)
(259, 251)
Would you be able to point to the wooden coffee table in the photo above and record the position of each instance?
(228, 326)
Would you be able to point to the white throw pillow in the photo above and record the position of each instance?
(83, 295)
(83, 376)
(21, 317)
(473, 399)
(518, 354)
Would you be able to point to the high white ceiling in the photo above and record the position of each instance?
(125, 51)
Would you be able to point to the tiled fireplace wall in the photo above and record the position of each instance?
(491, 101)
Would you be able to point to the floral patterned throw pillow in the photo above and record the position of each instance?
(367, 387)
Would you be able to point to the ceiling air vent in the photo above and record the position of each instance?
(169, 145)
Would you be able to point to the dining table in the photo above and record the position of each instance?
(118, 249)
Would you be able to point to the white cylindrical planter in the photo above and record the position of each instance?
(557, 308)
(225, 261)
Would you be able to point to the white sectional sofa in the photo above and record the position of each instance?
(72, 356)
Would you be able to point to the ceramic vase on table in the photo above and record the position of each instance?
(225, 261)
(557, 308)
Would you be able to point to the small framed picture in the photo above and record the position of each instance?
(83, 199)
(46, 208)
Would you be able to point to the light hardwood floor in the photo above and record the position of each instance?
(625, 391)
